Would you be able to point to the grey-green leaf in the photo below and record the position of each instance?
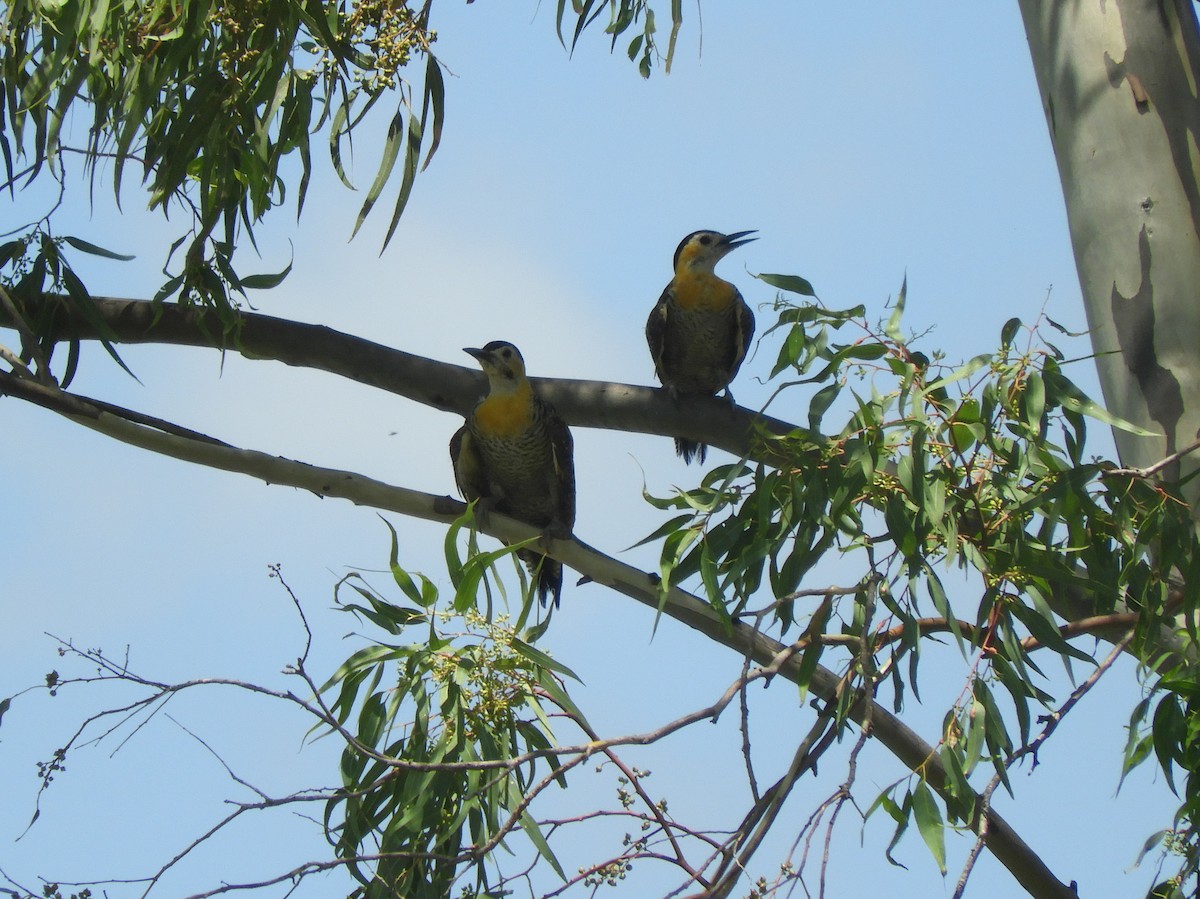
(929, 822)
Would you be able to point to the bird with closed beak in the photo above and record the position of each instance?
(514, 455)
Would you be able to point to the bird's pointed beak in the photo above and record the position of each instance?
(738, 238)
(479, 354)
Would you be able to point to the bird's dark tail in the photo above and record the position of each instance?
(689, 449)
(547, 574)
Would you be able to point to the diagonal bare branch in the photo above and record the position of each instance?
(904, 743)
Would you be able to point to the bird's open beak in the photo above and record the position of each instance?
(736, 238)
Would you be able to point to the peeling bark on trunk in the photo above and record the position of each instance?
(1118, 81)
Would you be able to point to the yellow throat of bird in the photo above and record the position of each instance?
(508, 413)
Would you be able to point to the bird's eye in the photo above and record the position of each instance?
(705, 240)
(506, 353)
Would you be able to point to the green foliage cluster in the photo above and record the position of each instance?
(209, 99)
(31, 266)
(981, 468)
(624, 15)
(1167, 725)
(451, 734)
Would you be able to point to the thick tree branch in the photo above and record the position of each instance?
(1025, 865)
(442, 385)
(454, 388)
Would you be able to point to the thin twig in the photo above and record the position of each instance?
(216, 755)
(665, 825)
(759, 819)
(983, 802)
(808, 592)
(1055, 718)
(277, 573)
(744, 727)
(1151, 470)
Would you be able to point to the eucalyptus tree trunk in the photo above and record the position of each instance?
(1118, 81)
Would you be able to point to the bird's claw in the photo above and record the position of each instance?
(556, 531)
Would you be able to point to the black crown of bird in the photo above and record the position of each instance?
(700, 329)
(514, 455)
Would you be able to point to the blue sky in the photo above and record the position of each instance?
(865, 142)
